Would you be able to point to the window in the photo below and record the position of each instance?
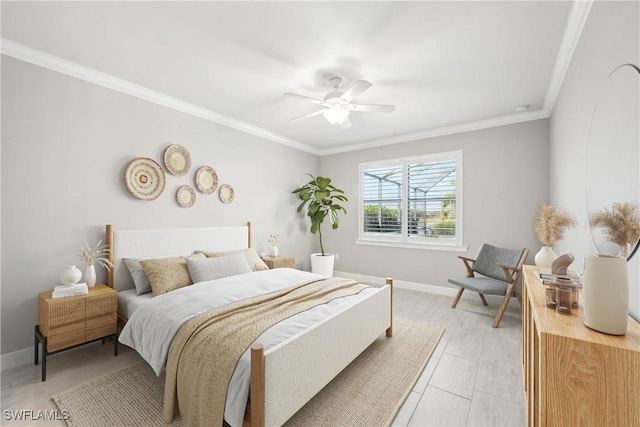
(415, 202)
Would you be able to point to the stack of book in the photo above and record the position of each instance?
(70, 291)
(545, 277)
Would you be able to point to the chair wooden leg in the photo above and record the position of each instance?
(457, 298)
(517, 293)
(484, 301)
(503, 306)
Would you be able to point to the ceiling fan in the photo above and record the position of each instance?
(336, 105)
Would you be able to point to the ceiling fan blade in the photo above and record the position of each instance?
(371, 108)
(346, 124)
(356, 89)
(306, 116)
(304, 98)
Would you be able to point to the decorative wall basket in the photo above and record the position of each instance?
(606, 294)
(226, 193)
(186, 196)
(177, 160)
(206, 179)
(144, 178)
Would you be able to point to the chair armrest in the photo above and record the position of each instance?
(466, 262)
(509, 272)
(509, 267)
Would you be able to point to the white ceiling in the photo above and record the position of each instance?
(446, 66)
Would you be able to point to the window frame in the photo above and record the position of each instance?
(404, 240)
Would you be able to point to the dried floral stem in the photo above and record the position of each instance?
(551, 223)
(99, 254)
(621, 224)
(273, 239)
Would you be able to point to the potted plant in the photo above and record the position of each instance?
(549, 226)
(321, 199)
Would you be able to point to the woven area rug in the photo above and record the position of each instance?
(369, 392)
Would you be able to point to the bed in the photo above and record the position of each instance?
(282, 373)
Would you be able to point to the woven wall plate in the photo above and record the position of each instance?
(226, 193)
(177, 160)
(186, 196)
(144, 178)
(206, 179)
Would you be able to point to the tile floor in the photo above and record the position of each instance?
(473, 378)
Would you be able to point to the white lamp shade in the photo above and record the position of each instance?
(336, 115)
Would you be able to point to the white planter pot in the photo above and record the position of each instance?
(545, 257)
(606, 293)
(90, 276)
(322, 265)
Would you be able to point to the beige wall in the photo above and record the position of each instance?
(65, 145)
(611, 37)
(505, 176)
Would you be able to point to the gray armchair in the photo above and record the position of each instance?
(500, 270)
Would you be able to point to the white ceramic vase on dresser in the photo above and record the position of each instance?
(90, 276)
(70, 275)
(545, 257)
(606, 293)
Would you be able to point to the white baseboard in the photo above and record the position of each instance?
(421, 287)
(16, 358)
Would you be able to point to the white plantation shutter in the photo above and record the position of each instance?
(413, 200)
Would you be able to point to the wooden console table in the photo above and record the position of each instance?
(573, 375)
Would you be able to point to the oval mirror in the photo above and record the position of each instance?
(613, 157)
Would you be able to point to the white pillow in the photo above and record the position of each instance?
(138, 275)
(203, 269)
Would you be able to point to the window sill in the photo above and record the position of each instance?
(423, 246)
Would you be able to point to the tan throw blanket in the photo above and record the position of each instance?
(205, 351)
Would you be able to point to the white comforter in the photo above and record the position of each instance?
(151, 329)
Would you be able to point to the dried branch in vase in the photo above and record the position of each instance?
(550, 224)
(621, 224)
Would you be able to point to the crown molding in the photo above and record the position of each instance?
(55, 63)
(448, 130)
(575, 24)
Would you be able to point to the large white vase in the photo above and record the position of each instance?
(606, 293)
(322, 264)
(545, 257)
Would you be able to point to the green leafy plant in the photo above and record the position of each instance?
(322, 198)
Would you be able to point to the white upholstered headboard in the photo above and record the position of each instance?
(145, 244)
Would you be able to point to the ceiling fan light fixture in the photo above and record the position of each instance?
(336, 115)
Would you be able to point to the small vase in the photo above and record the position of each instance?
(273, 251)
(70, 275)
(545, 257)
(605, 294)
(90, 276)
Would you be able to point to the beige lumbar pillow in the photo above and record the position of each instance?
(167, 274)
(254, 261)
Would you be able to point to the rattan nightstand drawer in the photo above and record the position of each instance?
(98, 327)
(100, 305)
(65, 336)
(70, 310)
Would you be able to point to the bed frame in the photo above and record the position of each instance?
(286, 377)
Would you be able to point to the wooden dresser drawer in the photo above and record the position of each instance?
(61, 312)
(101, 304)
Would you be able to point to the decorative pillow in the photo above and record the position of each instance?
(138, 275)
(254, 261)
(167, 274)
(205, 269)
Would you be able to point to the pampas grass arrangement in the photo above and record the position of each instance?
(550, 224)
(621, 224)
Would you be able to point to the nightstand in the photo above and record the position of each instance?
(279, 261)
(68, 322)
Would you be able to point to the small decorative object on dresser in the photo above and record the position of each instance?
(90, 257)
(561, 264)
(70, 275)
(273, 240)
(549, 226)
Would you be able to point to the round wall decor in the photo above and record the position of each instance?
(144, 178)
(226, 193)
(186, 196)
(177, 160)
(206, 179)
